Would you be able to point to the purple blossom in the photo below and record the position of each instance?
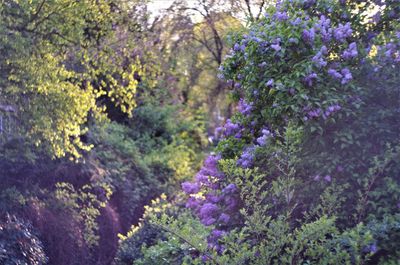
(244, 107)
(208, 213)
(201, 178)
(331, 109)
(231, 128)
(372, 248)
(346, 76)
(281, 16)
(262, 140)
(314, 113)
(190, 188)
(296, 22)
(351, 52)
(276, 47)
(192, 203)
(209, 169)
(324, 28)
(309, 35)
(377, 17)
(246, 159)
(231, 203)
(334, 73)
(231, 188)
(213, 238)
(213, 198)
(270, 83)
(310, 78)
(318, 60)
(342, 32)
(224, 218)
(328, 178)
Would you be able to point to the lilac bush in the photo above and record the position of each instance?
(304, 66)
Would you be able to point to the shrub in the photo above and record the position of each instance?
(19, 244)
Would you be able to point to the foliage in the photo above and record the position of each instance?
(19, 244)
(55, 72)
(307, 166)
(157, 237)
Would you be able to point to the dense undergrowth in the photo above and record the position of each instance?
(305, 170)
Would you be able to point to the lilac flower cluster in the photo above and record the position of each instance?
(262, 140)
(391, 50)
(281, 15)
(344, 75)
(330, 110)
(230, 129)
(319, 59)
(309, 35)
(217, 205)
(244, 107)
(342, 32)
(317, 112)
(323, 26)
(246, 159)
(351, 52)
(309, 79)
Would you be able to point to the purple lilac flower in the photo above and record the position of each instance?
(276, 47)
(190, 188)
(244, 107)
(346, 76)
(208, 213)
(192, 203)
(342, 32)
(351, 52)
(296, 22)
(231, 203)
(324, 28)
(314, 113)
(328, 178)
(231, 128)
(209, 169)
(309, 35)
(262, 140)
(372, 248)
(231, 188)
(246, 159)
(270, 83)
(309, 79)
(224, 218)
(334, 73)
(331, 109)
(318, 60)
(281, 16)
(377, 17)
